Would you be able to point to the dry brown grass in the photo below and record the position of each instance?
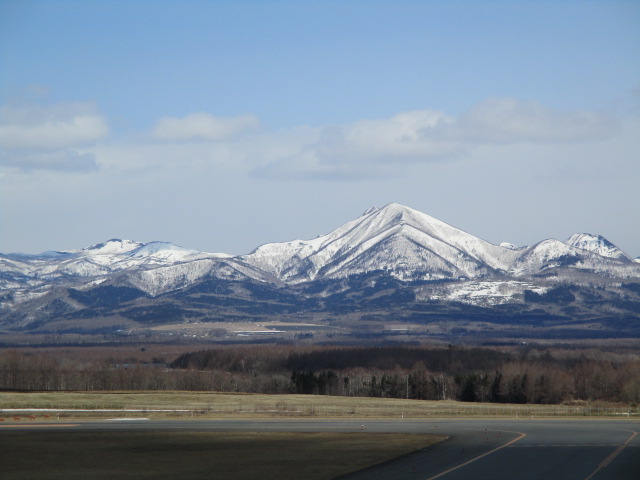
(212, 405)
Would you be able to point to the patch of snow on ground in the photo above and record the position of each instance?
(487, 293)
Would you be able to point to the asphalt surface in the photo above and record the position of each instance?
(580, 449)
(523, 450)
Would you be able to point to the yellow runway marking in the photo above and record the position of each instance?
(520, 437)
(612, 456)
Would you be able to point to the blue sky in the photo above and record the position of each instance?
(222, 125)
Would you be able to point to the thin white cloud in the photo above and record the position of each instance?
(50, 127)
(38, 137)
(398, 137)
(60, 137)
(57, 160)
(203, 126)
(507, 120)
(366, 149)
(308, 165)
(372, 148)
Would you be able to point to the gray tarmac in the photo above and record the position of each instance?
(492, 449)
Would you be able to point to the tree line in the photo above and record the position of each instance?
(545, 376)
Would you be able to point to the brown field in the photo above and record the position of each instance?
(214, 405)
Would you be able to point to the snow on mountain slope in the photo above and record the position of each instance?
(404, 243)
(550, 254)
(596, 244)
(408, 254)
(165, 253)
(486, 293)
(22, 273)
(164, 250)
(395, 237)
(115, 246)
(411, 245)
(155, 281)
(9, 264)
(544, 255)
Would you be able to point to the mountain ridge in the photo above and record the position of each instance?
(455, 253)
(385, 258)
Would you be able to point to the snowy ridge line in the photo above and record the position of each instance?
(411, 245)
(401, 242)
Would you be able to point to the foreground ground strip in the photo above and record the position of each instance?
(481, 448)
(584, 442)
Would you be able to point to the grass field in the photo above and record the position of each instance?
(201, 404)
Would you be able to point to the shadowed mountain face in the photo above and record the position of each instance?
(392, 262)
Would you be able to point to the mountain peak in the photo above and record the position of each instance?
(398, 208)
(161, 250)
(398, 213)
(596, 244)
(394, 238)
(369, 211)
(112, 246)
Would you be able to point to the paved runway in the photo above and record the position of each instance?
(495, 449)
(523, 450)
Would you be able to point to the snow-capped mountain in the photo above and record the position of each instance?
(404, 242)
(422, 257)
(596, 244)
(114, 246)
(400, 241)
(410, 245)
(26, 276)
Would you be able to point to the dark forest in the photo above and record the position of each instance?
(470, 374)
